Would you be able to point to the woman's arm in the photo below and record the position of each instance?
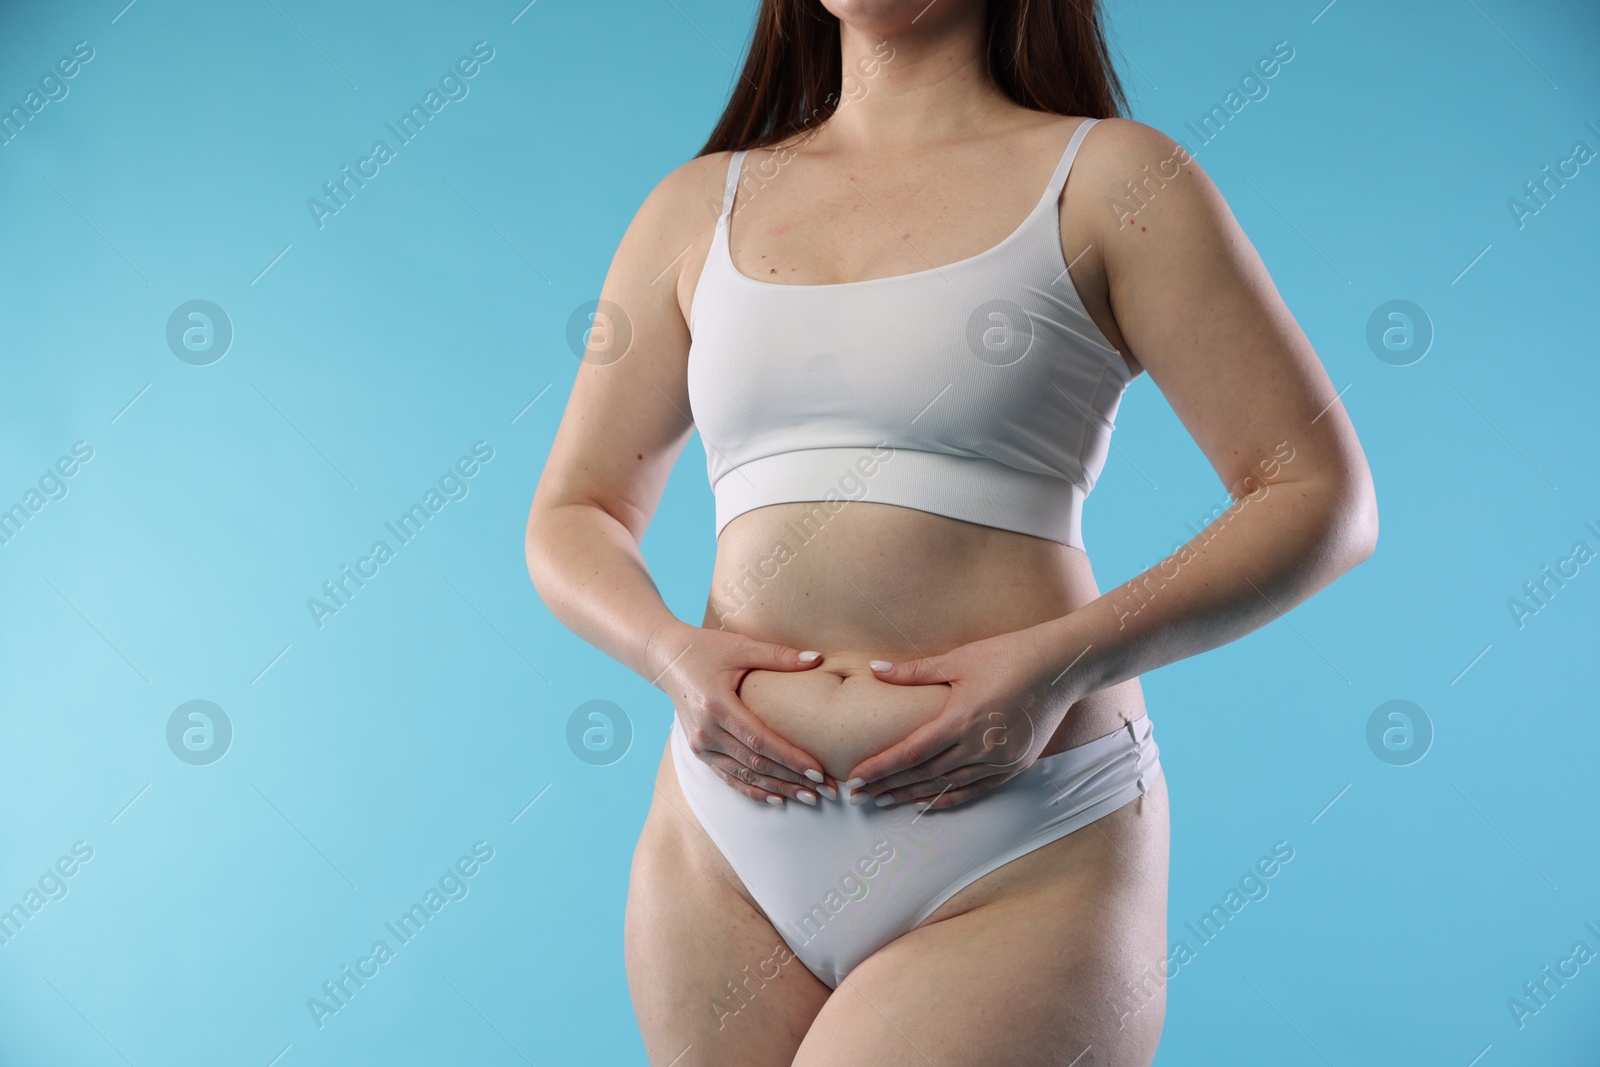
(1198, 311)
(625, 424)
(1201, 315)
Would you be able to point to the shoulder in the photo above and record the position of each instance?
(1128, 137)
(689, 197)
(1137, 180)
(1119, 150)
(1115, 152)
(678, 214)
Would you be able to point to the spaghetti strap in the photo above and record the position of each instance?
(1058, 180)
(732, 182)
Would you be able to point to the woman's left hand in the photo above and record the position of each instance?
(1008, 694)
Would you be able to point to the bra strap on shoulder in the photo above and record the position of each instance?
(1058, 180)
(732, 183)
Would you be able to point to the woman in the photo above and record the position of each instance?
(911, 809)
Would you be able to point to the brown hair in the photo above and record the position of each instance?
(1047, 55)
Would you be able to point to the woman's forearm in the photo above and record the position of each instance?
(1276, 546)
(588, 570)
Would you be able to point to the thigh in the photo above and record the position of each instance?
(1056, 958)
(711, 980)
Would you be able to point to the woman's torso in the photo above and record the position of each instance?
(872, 580)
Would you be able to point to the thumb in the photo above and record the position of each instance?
(929, 670)
(764, 656)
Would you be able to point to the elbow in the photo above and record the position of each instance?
(536, 549)
(544, 569)
(557, 536)
(1340, 527)
(1358, 522)
(1370, 530)
(530, 556)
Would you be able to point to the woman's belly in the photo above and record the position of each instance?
(889, 583)
(839, 711)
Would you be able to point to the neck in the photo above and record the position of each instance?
(921, 82)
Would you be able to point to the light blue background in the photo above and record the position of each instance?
(428, 713)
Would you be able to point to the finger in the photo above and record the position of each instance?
(952, 797)
(713, 738)
(943, 763)
(764, 656)
(958, 778)
(755, 793)
(924, 744)
(929, 670)
(735, 749)
(758, 787)
(716, 739)
(764, 750)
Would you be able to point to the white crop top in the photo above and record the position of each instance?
(979, 390)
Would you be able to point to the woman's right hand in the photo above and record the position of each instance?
(702, 674)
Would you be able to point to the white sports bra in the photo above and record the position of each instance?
(979, 390)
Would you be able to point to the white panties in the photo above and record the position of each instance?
(840, 881)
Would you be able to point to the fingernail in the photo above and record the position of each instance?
(859, 798)
(880, 665)
(814, 776)
(885, 800)
(828, 791)
(810, 657)
(924, 805)
(855, 783)
(806, 796)
(774, 799)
